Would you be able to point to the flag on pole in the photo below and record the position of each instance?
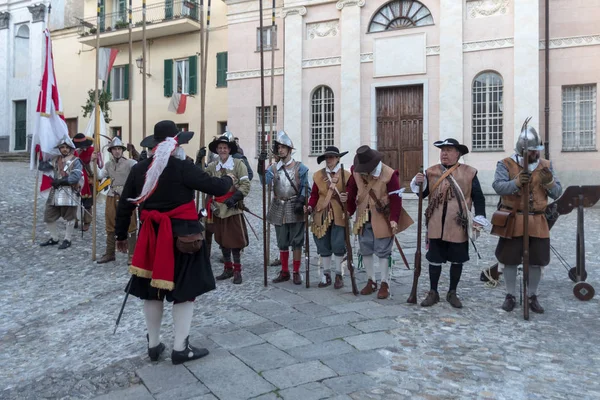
(107, 58)
(51, 127)
(178, 103)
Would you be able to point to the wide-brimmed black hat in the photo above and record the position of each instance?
(212, 146)
(366, 159)
(80, 140)
(452, 143)
(330, 151)
(163, 130)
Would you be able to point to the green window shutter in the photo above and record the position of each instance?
(168, 9)
(107, 87)
(122, 11)
(193, 65)
(168, 82)
(102, 17)
(222, 69)
(126, 82)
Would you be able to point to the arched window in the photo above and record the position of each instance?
(21, 66)
(488, 129)
(400, 14)
(322, 119)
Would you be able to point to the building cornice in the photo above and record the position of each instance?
(252, 73)
(574, 41)
(348, 3)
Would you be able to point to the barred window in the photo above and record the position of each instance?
(400, 14)
(488, 129)
(267, 114)
(579, 118)
(322, 120)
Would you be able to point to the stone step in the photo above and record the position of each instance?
(15, 157)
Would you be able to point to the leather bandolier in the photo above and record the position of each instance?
(329, 207)
(452, 228)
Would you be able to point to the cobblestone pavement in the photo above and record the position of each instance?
(58, 311)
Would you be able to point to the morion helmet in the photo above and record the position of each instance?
(284, 139)
(534, 142)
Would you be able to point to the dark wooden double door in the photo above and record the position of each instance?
(400, 129)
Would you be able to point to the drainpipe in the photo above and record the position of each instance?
(547, 84)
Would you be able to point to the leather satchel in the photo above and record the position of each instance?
(189, 244)
(503, 223)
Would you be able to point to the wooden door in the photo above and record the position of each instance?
(20, 125)
(400, 129)
(72, 126)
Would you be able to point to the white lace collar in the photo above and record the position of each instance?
(519, 160)
(280, 163)
(334, 170)
(377, 171)
(226, 165)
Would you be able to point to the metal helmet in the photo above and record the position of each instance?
(284, 139)
(66, 140)
(534, 142)
(228, 135)
(116, 142)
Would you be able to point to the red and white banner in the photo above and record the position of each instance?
(51, 127)
(178, 103)
(107, 59)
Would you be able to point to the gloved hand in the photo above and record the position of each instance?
(233, 200)
(262, 157)
(64, 181)
(200, 155)
(522, 179)
(143, 155)
(546, 176)
(45, 166)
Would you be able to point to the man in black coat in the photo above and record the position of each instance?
(170, 260)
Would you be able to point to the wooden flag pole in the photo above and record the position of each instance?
(130, 12)
(96, 131)
(144, 68)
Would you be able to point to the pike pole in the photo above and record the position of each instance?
(96, 130)
(263, 140)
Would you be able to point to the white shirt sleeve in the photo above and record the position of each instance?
(414, 187)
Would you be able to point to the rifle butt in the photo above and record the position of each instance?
(412, 298)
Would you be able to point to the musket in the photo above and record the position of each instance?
(248, 223)
(525, 194)
(306, 241)
(251, 213)
(349, 257)
(412, 298)
(123, 306)
(386, 215)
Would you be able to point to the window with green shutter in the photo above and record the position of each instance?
(122, 11)
(168, 78)
(102, 16)
(126, 82)
(118, 83)
(222, 69)
(193, 74)
(168, 9)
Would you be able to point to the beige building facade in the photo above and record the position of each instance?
(172, 66)
(399, 75)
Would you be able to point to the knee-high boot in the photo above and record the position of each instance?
(109, 254)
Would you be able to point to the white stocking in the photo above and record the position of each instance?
(368, 263)
(385, 271)
(182, 321)
(53, 231)
(153, 311)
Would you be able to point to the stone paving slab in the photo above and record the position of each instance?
(360, 303)
(375, 325)
(138, 392)
(229, 378)
(184, 392)
(299, 322)
(330, 333)
(285, 297)
(264, 357)
(309, 391)
(236, 339)
(321, 350)
(244, 318)
(265, 327)
(370, 341)
(285, 339)
(268, 308)
(363, 361)
(384, 311)
(153, 377)
(342, 319)
(350, 383)
(313, 309)
(298, 374)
